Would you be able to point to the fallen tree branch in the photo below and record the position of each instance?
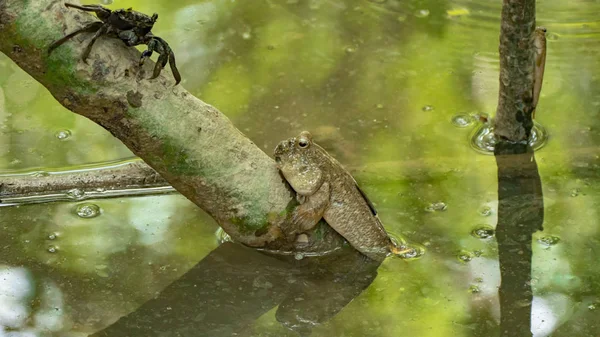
(191, 144)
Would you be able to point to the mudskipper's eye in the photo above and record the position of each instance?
(278, 159)
(303, 143)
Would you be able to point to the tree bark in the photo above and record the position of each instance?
(194, 147)
(513, 121)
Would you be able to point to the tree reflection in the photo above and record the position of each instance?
(520, 214)
(234, 285)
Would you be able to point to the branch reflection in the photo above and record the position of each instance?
(233, 286)
(520, 214)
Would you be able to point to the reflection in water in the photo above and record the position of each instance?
(520, 214)
(233, 286)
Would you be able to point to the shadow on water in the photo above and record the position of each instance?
(520, 214)
(233, 286)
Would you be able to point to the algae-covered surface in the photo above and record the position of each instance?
(394, 90)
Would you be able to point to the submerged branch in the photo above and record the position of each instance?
(189, 143)
(132, 177)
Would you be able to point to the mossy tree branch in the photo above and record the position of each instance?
(188, 142)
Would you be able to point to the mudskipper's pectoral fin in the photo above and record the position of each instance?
(306, 215)
(373, 210)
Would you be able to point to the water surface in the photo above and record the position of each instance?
(380, 85)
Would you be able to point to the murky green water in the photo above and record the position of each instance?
(388, 87)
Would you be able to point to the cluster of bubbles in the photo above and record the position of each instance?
(52, 248)
(63, 134)
(465, 256)
(75, 193)
(483, 232)
(549, 240)
(575, 192)
(462, 120)
(436, 207)
(486, 211)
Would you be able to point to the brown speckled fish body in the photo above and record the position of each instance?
(326, 190)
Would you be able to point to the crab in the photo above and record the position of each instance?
(131, 27)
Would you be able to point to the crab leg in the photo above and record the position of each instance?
(92, 27)
(87, 8)
(174, 67)
(102, 12)
(160, 64)
(88, 49)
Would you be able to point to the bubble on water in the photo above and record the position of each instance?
(436, 207)
(402, 17)
(63, 134)
(75, 193)
(575, 192)
(350, 50)
(464, 256)
(549, 240)
(379, 106)
(421, 13)
(427, 108)
(593, 306)
(474, 289)
(52, 249)
(483, 139)
(88, 210)
(246, 36)
(483, 232)
(298, 256)
(52, 236)
(486, 211)
(462, 120)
